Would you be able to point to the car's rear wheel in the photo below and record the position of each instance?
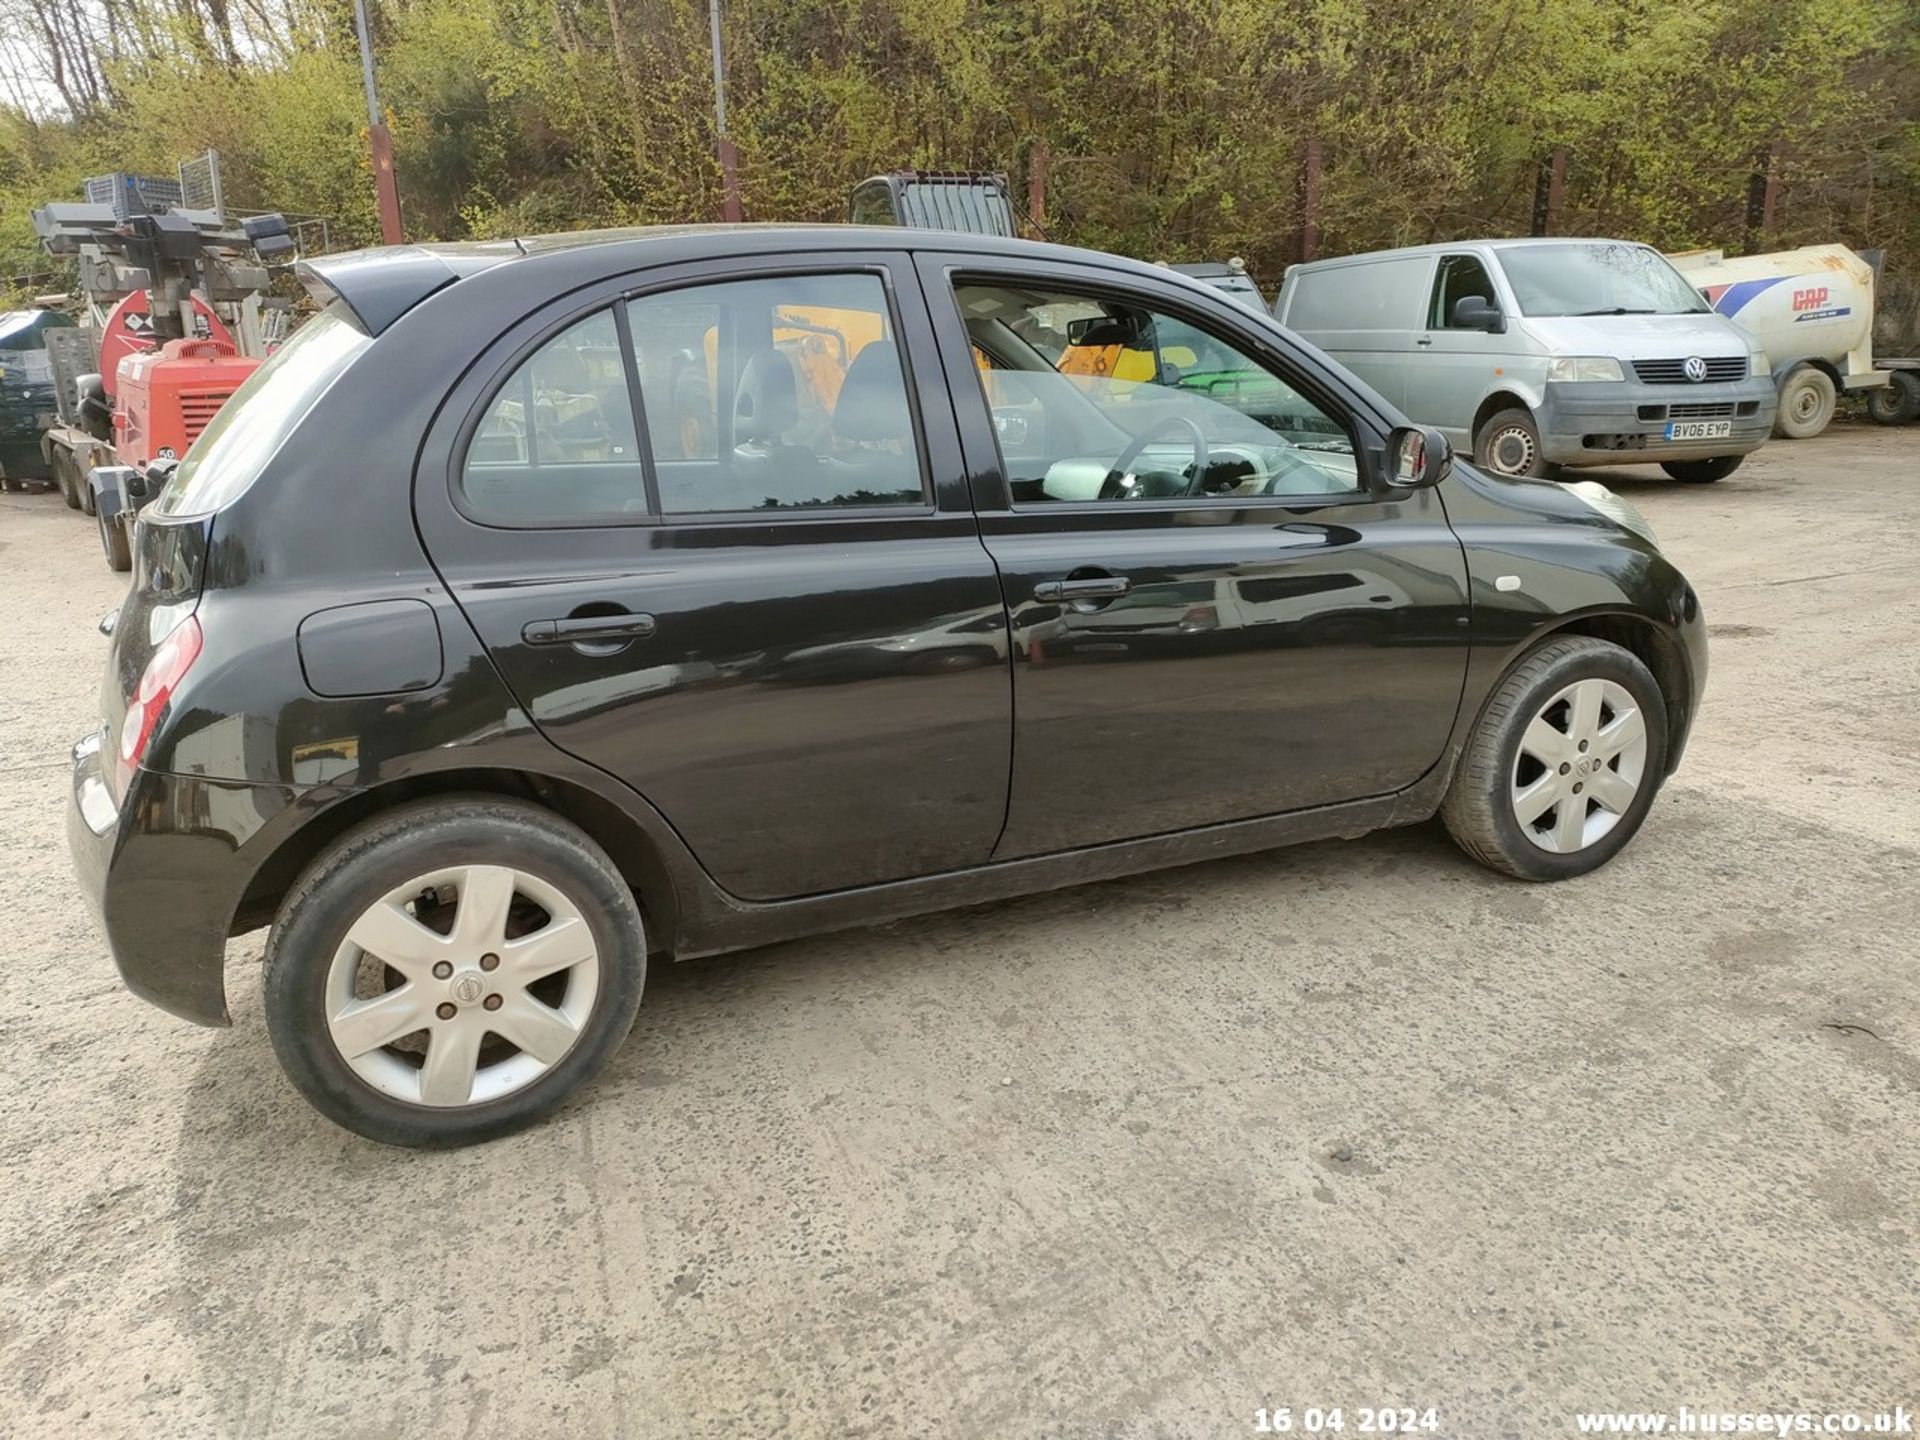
(1701, 472)
(452, 971)
(1564, 763)
(1509, 444)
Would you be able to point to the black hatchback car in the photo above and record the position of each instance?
(548, 607)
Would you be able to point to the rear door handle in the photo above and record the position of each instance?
(1424, 340)
(1097, 587)
(587, 629)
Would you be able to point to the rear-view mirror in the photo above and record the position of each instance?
(1125, 329)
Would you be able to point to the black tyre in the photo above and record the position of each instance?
(453, 970)
(1807, 399)
(87, 501)
(113, 541)
(1896, 402)
(1509, 444)
(66, 478)
(1563, 763)
(1702, 472)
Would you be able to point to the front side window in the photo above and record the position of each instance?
(783, 393)
(1100, 399)
(557, 442)
(1459, 277)
(1597, 277)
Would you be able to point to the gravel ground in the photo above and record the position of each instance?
(1350, 1124)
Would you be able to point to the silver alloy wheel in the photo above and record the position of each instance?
(1582, 759)
(1510, 450)
(495, 967)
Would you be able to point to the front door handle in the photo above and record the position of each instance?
(594, 630)
(1093, 587)
(1424, 340)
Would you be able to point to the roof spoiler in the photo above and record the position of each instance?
(378, 286)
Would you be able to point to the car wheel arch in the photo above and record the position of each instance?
(1638, 634)
(633, 850)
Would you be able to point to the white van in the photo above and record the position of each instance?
(1535, 353)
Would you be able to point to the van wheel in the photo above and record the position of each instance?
(113, 541)
(1701, 472)
(1896, 402)
(1509, 444)
(452, 971)
(1806, 403)
(1564, 763)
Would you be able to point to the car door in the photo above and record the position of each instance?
(1270, 632)
(1453, 365)
(713, 527)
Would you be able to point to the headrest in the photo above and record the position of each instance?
(769, 402)
(873, 399)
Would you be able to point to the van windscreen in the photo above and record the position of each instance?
(1597, 278)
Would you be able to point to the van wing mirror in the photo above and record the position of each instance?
(1476, 312)
(1418, 457)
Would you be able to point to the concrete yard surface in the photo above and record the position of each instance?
(1355, 1124)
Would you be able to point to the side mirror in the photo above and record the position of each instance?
(1418, 457)
(1476, 312)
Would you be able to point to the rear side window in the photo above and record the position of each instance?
(557, 442)
(782, 393)
(240, 440)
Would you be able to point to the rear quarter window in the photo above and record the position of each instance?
(239, 441)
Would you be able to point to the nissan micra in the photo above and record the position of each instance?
(546, 609)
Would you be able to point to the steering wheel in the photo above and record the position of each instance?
(1112, 488)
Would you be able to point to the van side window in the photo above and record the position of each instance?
(786, 393)
(1095, 398)
(1458, 277)
(557, 443)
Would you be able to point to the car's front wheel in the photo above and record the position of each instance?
(451, 971)
(1563, 764)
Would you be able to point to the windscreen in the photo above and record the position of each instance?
(1597, 278)
(238, 442)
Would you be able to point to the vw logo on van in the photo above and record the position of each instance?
(1695, 369)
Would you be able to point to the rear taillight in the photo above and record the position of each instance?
(167, 667)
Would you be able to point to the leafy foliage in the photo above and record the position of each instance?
(1175, 130)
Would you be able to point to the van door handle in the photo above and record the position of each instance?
(1424, 340)
(594, 630)
(1092, 587)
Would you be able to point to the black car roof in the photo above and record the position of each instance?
(380, 285)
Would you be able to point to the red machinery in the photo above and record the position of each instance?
(139, 384)
(165, 398)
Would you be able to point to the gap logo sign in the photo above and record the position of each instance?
(1811, 304)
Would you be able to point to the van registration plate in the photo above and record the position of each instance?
(1699, 429)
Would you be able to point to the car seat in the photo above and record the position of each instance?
(872, 420)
